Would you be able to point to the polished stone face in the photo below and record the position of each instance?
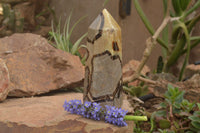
(106, 75)
(103, 76)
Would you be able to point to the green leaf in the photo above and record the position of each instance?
(194, 118)
(105, 3)
(163, 105)
(164, 124)
(165, 6)
(77, 22)
(177, 7)
(76, 44)
(175, 34)
(177, 105)
(184, 4)
(84, 59)
(161, 113)
(169, 86)
(179, 97)
(165, 37)
(67, 24)
(197, 113)
(192, 23)
(176, 124)
(192, 9)
(198, 105)
(160, 64)
(66, 32)
(196, 124)
(187, 36)
(194, 38)
(147, 23)
(143, 17)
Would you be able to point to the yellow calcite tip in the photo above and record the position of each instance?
(104, 21)
(110, 22)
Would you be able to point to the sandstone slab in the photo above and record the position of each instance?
(36, 67)
(4, 80)
(46, 115)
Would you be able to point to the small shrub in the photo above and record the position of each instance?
(62, 39)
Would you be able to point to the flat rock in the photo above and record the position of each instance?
(36, 67)
(46, 115)
(4, 80)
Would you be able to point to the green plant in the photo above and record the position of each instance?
(176, 114)
(195, 120)
(138, 124)
(165, 131)
(63, 38)
(9, 17)
(138, 91)
(105, 3)
(181, 40)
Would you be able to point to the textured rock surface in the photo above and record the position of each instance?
(46, 115)
(131, 67)
(191, 70)
(192, 88)
(4, 80)
(35, 67)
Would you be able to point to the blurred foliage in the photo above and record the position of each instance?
(181, 41)
(137, 91)
(177, 114)
(62, 38)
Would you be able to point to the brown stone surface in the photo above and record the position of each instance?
(46, 115)
(131, 67)
(192, 88)
(35, 67)
(43, 31)
(4, 80)
(191, 70)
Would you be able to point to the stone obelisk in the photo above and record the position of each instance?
(103, 71)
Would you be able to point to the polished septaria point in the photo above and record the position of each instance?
(103, 71)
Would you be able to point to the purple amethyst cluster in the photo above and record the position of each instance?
(94, 111)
